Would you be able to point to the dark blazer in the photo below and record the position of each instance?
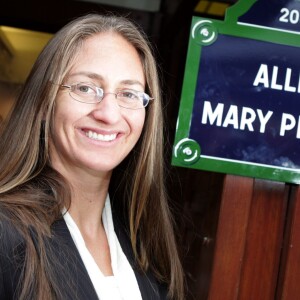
(72, 277)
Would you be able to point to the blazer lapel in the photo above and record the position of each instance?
(71, 265)
(150, 288)
(71, 269)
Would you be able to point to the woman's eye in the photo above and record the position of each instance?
(85, 89)
(128, 94)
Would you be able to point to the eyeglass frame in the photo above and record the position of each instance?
(100, 94)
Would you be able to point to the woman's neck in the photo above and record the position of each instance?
(86, 210)
(88, 195)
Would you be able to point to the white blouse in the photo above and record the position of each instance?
(123, 285)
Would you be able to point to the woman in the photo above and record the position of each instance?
(83, 209)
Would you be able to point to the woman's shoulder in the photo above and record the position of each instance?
(12, 253)
(12, 244)
(10, 236)
(150, 286)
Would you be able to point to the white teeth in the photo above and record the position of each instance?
(101, 137)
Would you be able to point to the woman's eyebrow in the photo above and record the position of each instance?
(87, 74)
(132, 82)
(99, 77)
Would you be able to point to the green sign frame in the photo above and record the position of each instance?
(204, 32)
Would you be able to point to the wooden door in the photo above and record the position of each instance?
(257, 251)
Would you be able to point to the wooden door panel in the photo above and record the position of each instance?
(231, 237)
(289, 283)
(264, 241)
(249, 239)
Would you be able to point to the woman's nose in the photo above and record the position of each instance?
(107, 110)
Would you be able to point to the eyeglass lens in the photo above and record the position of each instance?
(127, 98)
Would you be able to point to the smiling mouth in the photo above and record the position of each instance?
(101, 137)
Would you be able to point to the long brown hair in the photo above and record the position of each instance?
(34, 194)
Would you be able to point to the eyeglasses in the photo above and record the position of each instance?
(89, 93)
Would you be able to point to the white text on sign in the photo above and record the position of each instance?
(245, 118)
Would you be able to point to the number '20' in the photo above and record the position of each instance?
(289, 16)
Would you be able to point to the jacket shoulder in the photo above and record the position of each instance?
(150, 287)
(12, 252)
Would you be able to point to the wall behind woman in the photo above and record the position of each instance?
(8, 92)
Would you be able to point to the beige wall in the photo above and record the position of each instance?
(8, 93)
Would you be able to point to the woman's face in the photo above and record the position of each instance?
(96, 137)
